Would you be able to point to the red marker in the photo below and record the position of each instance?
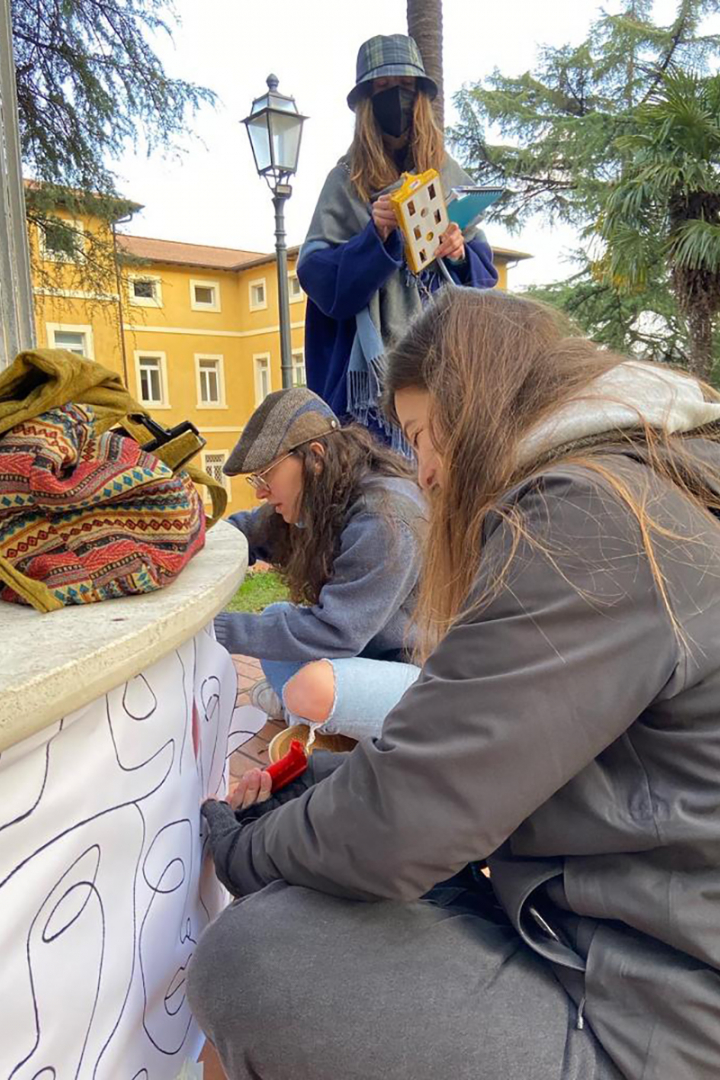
(289, 767)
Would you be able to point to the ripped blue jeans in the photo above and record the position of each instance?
(365, 692)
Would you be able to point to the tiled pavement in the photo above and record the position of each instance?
(253, 753)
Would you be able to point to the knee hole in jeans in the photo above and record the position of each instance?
(311, 692)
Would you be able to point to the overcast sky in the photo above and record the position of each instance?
(213, 194)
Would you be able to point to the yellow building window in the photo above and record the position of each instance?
(204, 294)
(151, 371)
(61, 239)
(210, 381)
(213, 462)
(146, 291)
(258, 295)
(298, 367)
(263, 384)
(294, 288)
(76, 339)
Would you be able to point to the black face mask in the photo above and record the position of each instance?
(393, 109)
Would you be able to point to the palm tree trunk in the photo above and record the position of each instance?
(700, 327)
(425, 25)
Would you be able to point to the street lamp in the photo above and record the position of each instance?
(275, 127)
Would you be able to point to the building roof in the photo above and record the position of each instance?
(506, 254)
(510, 255)
(173, 251)
(59, 195)
(260, 260)
(221, 258)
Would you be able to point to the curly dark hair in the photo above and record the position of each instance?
(305, 556)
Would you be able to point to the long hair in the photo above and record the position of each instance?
(331, 483)
(372, 167)
(495, 366)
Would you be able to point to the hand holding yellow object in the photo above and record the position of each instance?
(452, 244)
(384, 216)
(421, 213)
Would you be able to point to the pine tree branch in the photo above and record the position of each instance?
(675, 40)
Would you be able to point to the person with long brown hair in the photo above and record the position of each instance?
(360, 292)
(342, 521)
(564, 735)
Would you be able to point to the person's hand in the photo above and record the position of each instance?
(452, 244)
(254, 787)
(384, 217)
(230, 831)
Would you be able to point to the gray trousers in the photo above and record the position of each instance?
(292, 984)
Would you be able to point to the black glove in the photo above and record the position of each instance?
(223, 835)
(225, 824)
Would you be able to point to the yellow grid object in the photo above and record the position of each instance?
(421, 214)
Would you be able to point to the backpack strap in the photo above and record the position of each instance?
(36, 593)
(218, 494)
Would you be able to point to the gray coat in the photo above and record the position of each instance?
(568, 733)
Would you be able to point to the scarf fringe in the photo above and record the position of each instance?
(363, 404)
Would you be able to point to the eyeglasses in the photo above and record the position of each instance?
(258, 480)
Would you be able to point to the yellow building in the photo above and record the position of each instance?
(192, 329)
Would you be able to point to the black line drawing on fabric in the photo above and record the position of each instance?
(140, 764)
(210, 699)
(163, 879)
(126, 997)
(61, 926)
(138, 696)
(77, 825)
(135, 887)
(176, 985)
(45, 769)
(44, 996)
(135, 737)
(188, 713)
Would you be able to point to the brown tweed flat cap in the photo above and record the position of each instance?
(285, 420)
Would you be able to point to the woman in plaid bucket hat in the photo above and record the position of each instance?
(342, 521)
(360, 293)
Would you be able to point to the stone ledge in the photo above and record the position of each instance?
(52, 664)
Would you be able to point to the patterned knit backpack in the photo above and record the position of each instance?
(97, 500)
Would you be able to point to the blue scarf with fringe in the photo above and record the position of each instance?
(339, 216)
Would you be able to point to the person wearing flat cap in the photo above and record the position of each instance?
(342, 521)
(360, 292)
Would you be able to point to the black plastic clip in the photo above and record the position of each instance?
(162, 435)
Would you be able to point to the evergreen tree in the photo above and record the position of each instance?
(665, 209)
(89, 84)
(644, 322)
(567, 126)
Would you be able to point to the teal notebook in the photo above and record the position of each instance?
(465, 205)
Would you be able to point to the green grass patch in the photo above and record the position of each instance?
(259, 589)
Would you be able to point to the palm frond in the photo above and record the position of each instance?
(696, 246)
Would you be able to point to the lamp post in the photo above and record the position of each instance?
(275, 128)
